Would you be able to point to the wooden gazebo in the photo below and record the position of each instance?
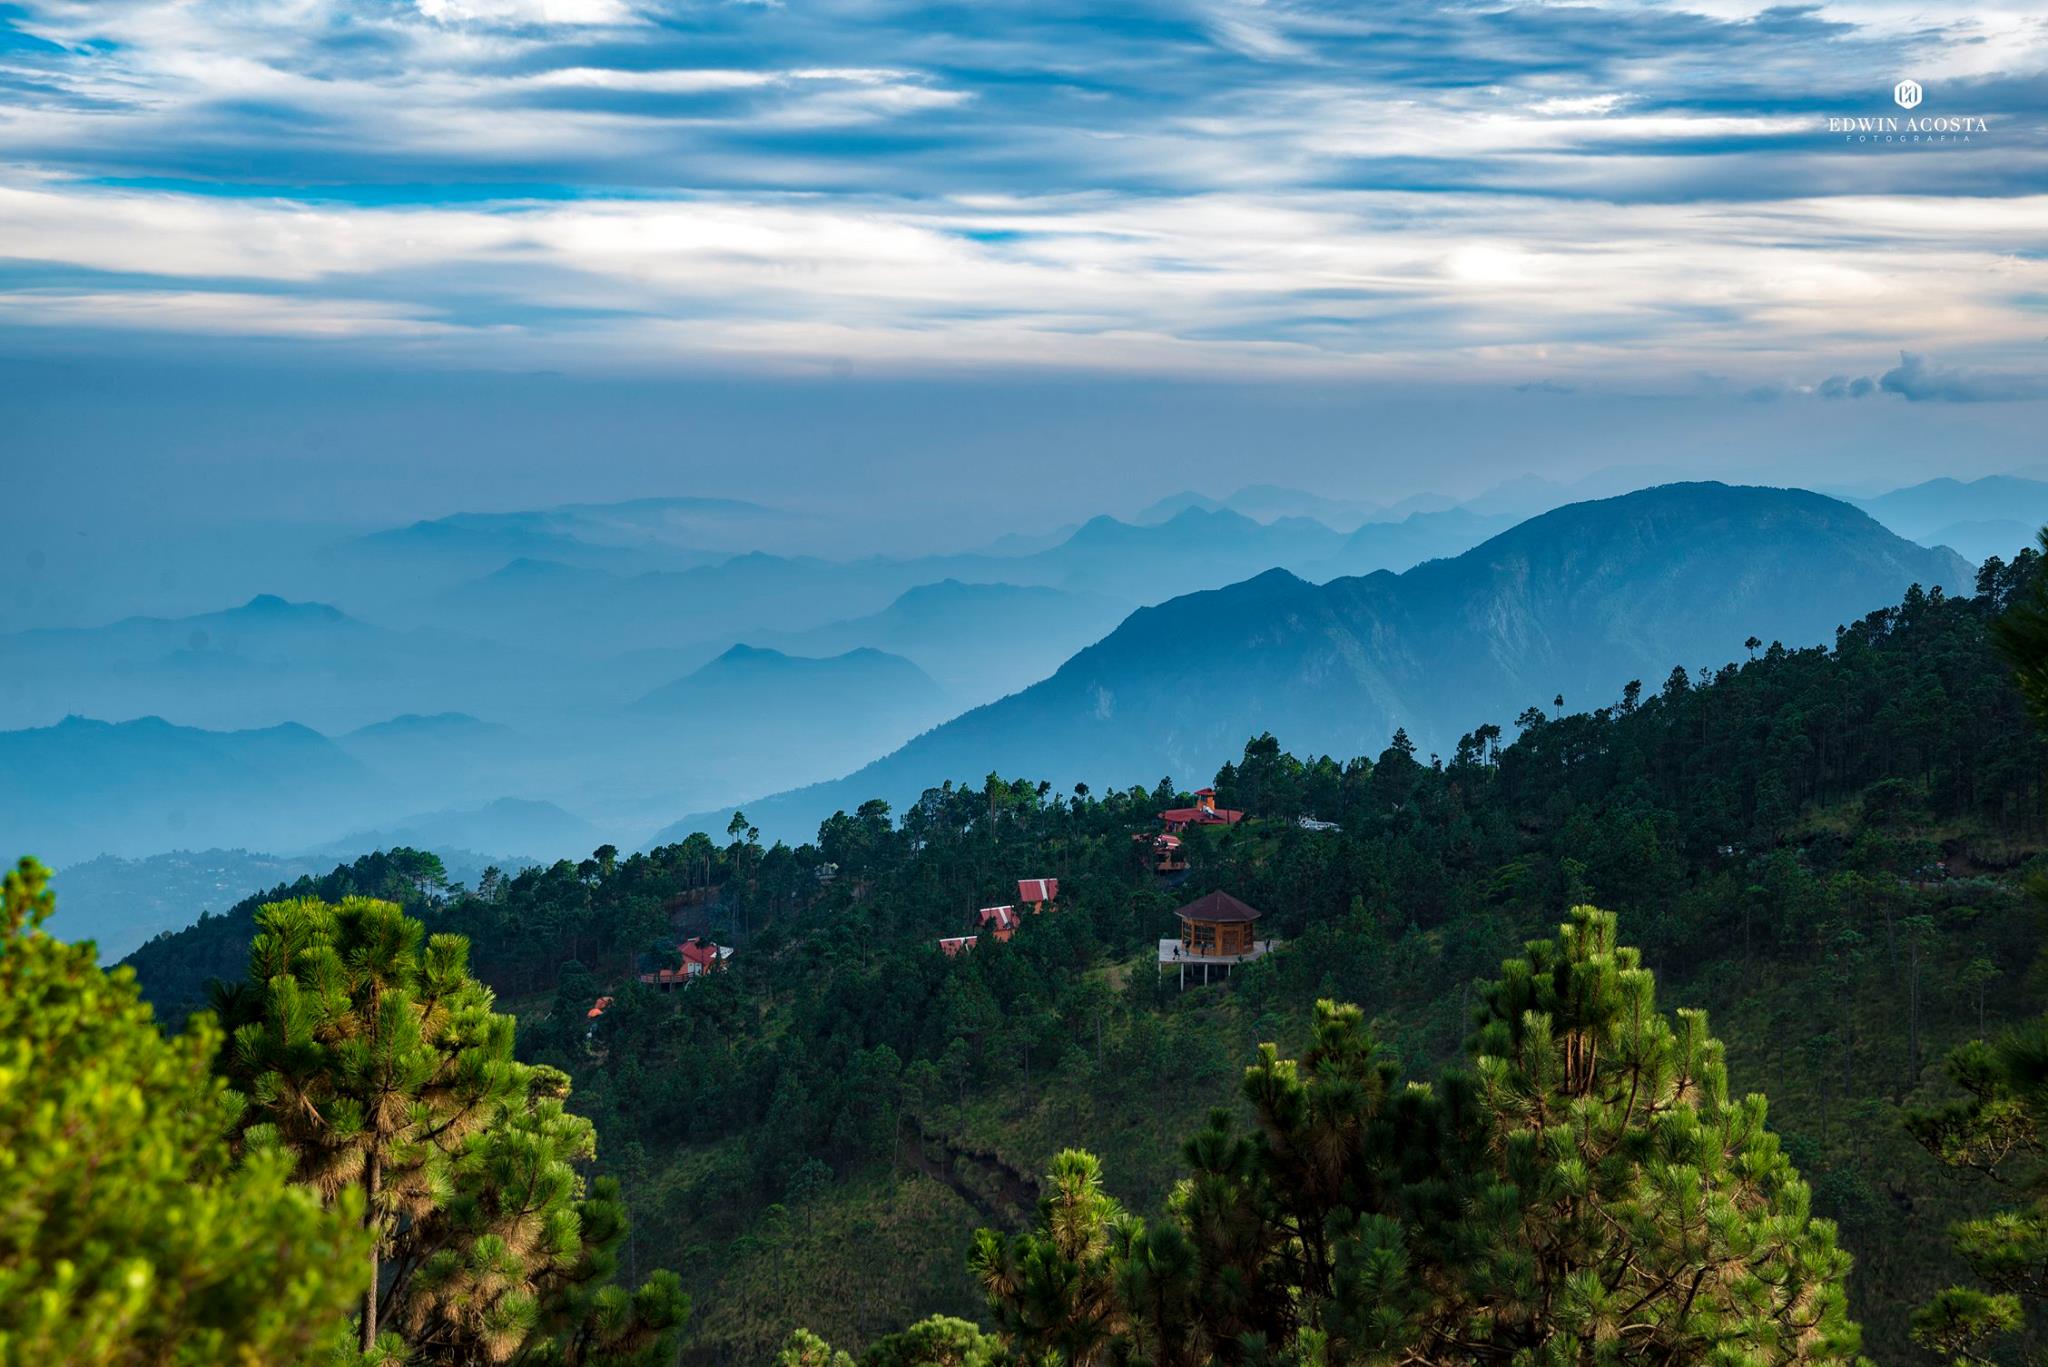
(1214, 930)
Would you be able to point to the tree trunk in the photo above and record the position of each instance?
(1913, 1014)
(373, 1182)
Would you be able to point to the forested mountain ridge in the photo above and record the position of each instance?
(811, 1136)
(1572, 603)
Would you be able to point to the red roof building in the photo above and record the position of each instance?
(1166, 854)
(1205, 812)
(1000, 921)
(1038, 892)
(602, 1005)
(699, 957)
(953, 945)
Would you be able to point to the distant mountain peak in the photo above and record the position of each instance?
(751, 675)
(1274, 578)
(271, 606)
(1575, 601)
(740, 652)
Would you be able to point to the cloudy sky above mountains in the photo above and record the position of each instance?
(1593, 204)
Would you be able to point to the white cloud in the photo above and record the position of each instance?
(1006, 195)
(528, 11)
(1390, 281)
(220, 313)
(1578, 104)
(665, 82)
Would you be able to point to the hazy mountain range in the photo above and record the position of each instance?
(120, 903)
(1575, 602)
(82, 788)
(1996, 515)
(512, 684)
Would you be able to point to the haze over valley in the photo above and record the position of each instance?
(521, 687)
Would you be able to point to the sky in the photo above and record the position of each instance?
(953, 269)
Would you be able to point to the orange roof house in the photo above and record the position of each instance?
(602, 1005)
(1039, 893)
(953, 945)
(699, 957)
(1000, 921)
(1205, 812)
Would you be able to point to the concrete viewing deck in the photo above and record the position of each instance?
(1174, 954)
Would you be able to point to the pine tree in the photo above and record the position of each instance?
(1055, 1290)
(368, 1052)
(1587, 1194)
(1997, 1127)
(805, 1349)
(128, 1232)
(1637, 1212)
(940, 1341)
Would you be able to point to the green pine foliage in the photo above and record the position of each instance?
(1994, 1127)
(1823, 847)
(371, 1056)
(1588, 1192)
(129, 1234)
(941, 1341)
(1992, 1130)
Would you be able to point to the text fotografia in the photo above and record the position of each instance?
(1890, 128)
(1911, 128)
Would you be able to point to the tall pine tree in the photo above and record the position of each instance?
(368, 1052)
(1586, 1193)
(129, 1234)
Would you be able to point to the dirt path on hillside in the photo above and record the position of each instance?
(998, 1192)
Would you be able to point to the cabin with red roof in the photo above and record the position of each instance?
(1167, 855)
(954, 945)
(1205, 812)
(602, 1005)
(1040, 894)
(698, 958)
(1001, 922)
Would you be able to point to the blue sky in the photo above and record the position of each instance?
(1605, 204)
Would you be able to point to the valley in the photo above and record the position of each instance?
(1825, 847)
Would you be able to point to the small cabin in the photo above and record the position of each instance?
(1167, 855)
(1001, 922)
(698, 958)
(1309, 823)
(1205, 812)
(1216, 931)
(1217, 925)
(955, 945)
(1040, 894)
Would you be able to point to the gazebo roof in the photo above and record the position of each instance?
(1217, 907)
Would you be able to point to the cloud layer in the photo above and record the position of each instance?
(1516, 193)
